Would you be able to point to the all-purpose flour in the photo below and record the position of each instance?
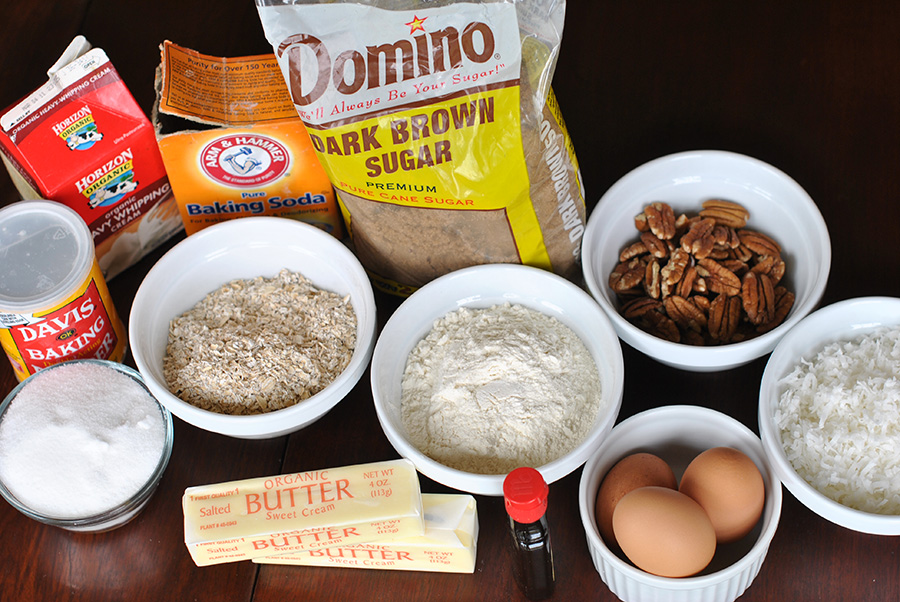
(489, 390)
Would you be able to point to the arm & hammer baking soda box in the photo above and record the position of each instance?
(233, 144)
(82, 140)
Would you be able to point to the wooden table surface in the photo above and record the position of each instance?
(812, 87)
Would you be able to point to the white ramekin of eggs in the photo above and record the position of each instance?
(679, 503)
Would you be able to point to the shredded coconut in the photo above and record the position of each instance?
(839, 417)
(489, 390)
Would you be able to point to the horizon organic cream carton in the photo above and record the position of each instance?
(242, 520)
(233, 144)
(82, 140)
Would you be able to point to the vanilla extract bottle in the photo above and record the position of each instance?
(525, 495)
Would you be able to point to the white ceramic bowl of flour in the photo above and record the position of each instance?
(483, 287)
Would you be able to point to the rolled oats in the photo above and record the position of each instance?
(258, 345)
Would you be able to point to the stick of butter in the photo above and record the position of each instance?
(246, 519)
(448, 545)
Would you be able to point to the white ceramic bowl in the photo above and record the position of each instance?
(246, 248)
(844, 320)
(479, 287)
(778, 207)
(677, 434)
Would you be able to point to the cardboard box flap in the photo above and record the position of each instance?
(221, 91)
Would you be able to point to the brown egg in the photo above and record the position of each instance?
(629, 473)
(729, 486)
(664, 532)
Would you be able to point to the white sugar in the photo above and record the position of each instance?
(79, 439)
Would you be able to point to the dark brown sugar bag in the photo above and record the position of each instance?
(437, 126)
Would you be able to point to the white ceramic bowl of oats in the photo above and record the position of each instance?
(778, 207)
(243, 250)
(468, 388)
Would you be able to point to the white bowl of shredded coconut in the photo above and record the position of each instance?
(494, 367)
(829, 413)
(254, 327)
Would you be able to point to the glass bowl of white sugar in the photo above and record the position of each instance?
(494, 367)
(83, 445)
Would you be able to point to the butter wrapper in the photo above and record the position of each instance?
(241, 520)
(447, 546)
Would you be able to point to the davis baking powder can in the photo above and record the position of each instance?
(54, 302)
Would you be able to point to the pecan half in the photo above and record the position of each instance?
(724, 317)
(656, 246)
(768, 290)
(770, 265)
(699, 240)
(626, 275)
(652, 279)
(726, 236)
(685, 313)
(784, 302)
(727, 213)
(632, 250)
(639, 306)
(640, 222)
(661, 326)
(737, 266)
(758, 298)
(661, 220)
(685, 286)
(701, 302)
(759, 243)
(742, 253)
(674, 269)
(719, 279)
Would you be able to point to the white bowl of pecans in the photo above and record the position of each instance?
(254, 327)
(703, 260)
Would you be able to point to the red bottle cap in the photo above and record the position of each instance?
(525, 493)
